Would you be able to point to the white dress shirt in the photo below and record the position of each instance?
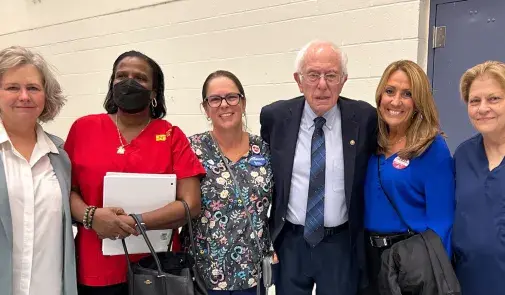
(37, 218)
(335, 208)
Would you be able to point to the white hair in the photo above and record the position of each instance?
(300, 58)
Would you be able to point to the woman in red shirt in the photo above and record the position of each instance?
(131, 137)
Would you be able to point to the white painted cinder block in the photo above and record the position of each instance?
(257, 40)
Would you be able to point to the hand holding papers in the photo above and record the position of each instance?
(138, 193)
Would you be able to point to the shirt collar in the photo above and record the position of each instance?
(3, 134)
(331, 116)
(44, 142)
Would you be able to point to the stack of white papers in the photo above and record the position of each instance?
(138, 193)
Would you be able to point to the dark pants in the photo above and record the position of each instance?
(251, 291)
(330, 264)
(374, 262)
(120, 289)
(373, 258)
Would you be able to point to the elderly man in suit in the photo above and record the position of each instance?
(320, 144)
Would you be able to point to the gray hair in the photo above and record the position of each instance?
(300, 58)
(17, 56)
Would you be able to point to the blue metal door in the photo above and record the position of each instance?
(474, 33)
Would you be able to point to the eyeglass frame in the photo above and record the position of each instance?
(336, 82)
(240, 97)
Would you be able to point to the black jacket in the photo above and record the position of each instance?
(418, 266)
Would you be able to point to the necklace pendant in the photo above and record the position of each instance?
(120, 150)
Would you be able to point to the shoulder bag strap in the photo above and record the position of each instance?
(411, 231)
(148, 242)
(237, 192)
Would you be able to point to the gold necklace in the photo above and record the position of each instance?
(121, 148)
(398, 141)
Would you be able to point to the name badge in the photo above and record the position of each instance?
(400, 163)
(257, 161)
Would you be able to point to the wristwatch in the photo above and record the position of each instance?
(142, 224)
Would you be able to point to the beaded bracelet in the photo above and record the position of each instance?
(85, 218)
(88, 217)
(91, 215)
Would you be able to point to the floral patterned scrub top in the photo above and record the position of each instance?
(227, 252)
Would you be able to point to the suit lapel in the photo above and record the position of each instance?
(350, 130)
(59, 170)
(5, 208)
(291, 127)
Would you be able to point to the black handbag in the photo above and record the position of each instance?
(168, 273)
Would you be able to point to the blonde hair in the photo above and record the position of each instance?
(424, 124)
(494, 68)
(17, 56)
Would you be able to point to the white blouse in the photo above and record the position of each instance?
(37, 218)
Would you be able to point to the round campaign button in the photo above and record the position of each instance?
(255, 149)
(400, 163)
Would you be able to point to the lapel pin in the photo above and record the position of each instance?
(161, 137)
(352, 142)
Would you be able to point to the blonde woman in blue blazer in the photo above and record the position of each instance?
(36, 239)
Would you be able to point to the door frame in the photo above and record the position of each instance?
(431, 51)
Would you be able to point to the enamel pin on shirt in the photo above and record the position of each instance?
(255, 149)
(161, 137)
(400, 163)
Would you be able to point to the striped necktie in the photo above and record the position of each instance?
(314, 219)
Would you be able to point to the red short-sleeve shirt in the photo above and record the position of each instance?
(92, 147)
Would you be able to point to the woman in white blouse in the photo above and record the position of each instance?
(36, 241)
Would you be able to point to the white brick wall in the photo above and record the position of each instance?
(257, 40)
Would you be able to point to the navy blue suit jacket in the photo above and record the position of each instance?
(280, 123)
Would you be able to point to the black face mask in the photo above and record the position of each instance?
(130, 96)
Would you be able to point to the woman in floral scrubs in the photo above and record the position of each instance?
(227, 250)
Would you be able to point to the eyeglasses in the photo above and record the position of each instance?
(232, 99)
(331, 78)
